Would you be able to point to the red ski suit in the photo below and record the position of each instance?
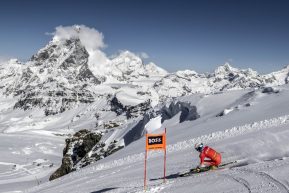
(214, 158)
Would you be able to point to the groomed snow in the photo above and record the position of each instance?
(255, 135)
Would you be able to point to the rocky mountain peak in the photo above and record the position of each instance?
(55, 79)
(65, 58)
(128, 57)
(61, 54)
(128, 63)
(127, 67)
(281, 77)
(225, 69)
(154, 70)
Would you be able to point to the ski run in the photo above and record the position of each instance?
(260, 147)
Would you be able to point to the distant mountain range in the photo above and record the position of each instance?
(60, 76)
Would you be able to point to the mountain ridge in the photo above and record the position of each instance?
(64, 64)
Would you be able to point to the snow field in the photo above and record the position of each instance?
(183, 151)
(245, 134)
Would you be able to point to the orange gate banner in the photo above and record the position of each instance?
(155, 141)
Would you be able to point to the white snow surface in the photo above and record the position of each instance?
(129, 97)
(255, 135)
(154, 124)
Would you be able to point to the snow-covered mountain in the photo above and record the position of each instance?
(280, 77)
(225, 77)
(62, 75)
(70, 85)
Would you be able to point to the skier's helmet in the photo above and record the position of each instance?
(199, 147)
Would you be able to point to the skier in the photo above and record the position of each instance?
(213, 158)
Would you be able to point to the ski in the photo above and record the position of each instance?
(228, 163)
(200, 170)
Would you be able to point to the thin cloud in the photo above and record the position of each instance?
(229, 60)
(143, 55)
(4, 59)
(90, 38)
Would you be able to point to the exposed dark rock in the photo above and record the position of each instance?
(227, 111)
(231, 76)
(111, 124)
(76, 148)
(269, 90)
(247, 104)
(58, 101)
(99, 152)
(82, 149)
(28, 103)
(188, 112)
(64, 169)
(116, 106)
(137, 110)
(85, 75)
(220, 114)
(112, 148)
(130, 111)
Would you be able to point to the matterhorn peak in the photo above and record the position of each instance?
(90, 38)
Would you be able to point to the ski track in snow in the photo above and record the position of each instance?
(264, 182)
(267, 177)
(244, 182)
(279, 184)
(213, 137)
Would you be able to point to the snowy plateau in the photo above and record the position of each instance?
(70, 86)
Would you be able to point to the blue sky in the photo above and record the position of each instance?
(176, 35)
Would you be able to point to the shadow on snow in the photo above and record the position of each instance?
(103, 190)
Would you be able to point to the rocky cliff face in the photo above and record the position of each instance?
(83, 148)
(188, 112)
(75, 149)
(129, 111)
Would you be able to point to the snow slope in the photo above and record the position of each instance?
(255, 133)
